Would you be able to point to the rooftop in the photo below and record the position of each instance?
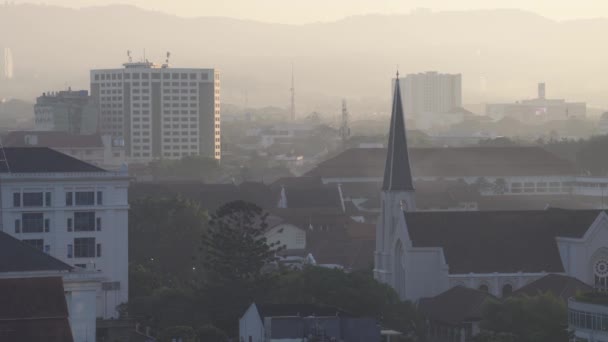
(42, 160)
(499, 241)
(18, 256)
(449, 162)
(52, 139)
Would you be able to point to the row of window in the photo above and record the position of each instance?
(43, 199)
(528, 187)
(151, 75)
(81, 248)
(36, 223)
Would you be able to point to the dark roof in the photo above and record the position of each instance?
(397, 172)
(42, 159)
(34, 310)
(307, 192)
(17, 256)
(455, 306)
(297, 310)
(499, 241)
(561, 286)
(351, 246)
(52, 139)
(450, 162)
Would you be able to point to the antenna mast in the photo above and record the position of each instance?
(344, 128)
(293, 95)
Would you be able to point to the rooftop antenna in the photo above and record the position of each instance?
(168, 55)
(145, 60)
(293, 95)
(344, 129)
(129, 56)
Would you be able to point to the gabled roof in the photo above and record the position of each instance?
(34, 310)
(499, 241)
(476, 161)
(455, 306)
(17, 256)
(561, 286)
(52, 139)
(41, 160)
(397, 172)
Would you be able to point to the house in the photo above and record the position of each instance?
(300, 322)
(454, 315)
(74, 211)
(35, 286)
(424, 254)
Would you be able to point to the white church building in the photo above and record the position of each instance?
(423, 254)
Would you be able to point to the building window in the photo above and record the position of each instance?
(32, 199)
(16, 199)
(69, 198)
(69, 223)
(70, 251)
(85, 198)
(17, 226)
(36, 243)
(600, 271)
(84, 221)
(484, 288)
(507, 289)
(99, 197)
(33, 222)
(98, 250)
(84, 247)
(98, 223)
(47, 199)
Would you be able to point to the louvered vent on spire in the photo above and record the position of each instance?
(397, 171)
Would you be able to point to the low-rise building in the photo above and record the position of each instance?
(302, 322)
(588, 317)
(66, 111)
(72, 210)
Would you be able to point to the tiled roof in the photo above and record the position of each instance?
(449, 162)
(41, 160)
(561, 286)
(499, 241)
(34, 310)
(455, 306)
(17, 256)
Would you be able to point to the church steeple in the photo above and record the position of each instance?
(397, 171)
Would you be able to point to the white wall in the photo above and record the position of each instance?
(251, 325)
(113, 236)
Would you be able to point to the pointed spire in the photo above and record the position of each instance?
(397, 171)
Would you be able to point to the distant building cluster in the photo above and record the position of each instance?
(538, 110)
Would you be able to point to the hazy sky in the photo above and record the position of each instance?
(302, 11)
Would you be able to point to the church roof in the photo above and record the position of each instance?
(495, 161)
(499, 241)
(561, 286)
(397, 172)
(455, 306)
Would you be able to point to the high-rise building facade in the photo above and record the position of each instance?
(8, 71)
(159, 112)
(66, 111)
(431, 92)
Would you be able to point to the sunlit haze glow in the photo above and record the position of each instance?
(303, 11)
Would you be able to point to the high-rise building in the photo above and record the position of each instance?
(8, 71)
(159, 112)
(431, 92)
(66, 111)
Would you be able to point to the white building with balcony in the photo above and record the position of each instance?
(74, 211)
(588, 317)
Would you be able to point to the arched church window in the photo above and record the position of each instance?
(507, 289)
(484, 288)
(600, 272)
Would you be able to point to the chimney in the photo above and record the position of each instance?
(541, 91)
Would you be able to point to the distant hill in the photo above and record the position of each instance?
(511, 50)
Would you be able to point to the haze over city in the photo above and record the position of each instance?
(303, 171)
